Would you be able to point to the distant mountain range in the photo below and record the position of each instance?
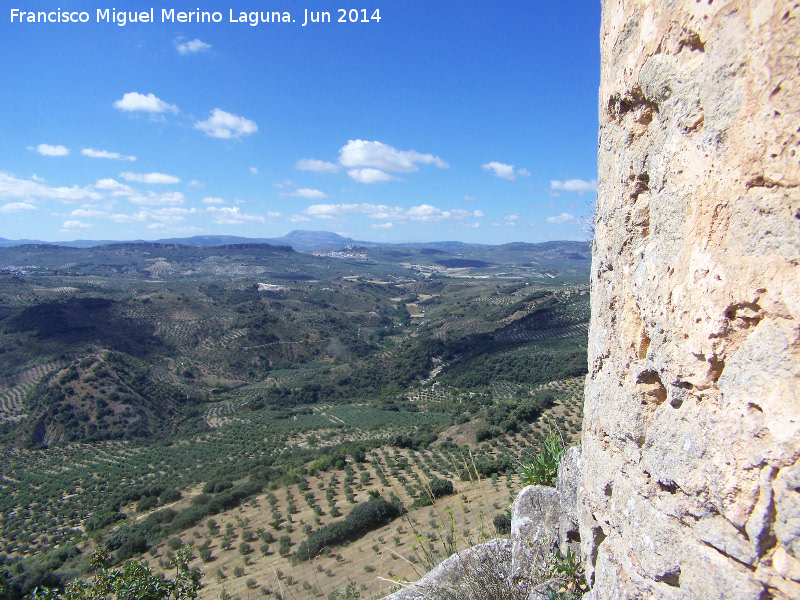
(303, 241)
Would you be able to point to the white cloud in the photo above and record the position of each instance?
(196, 184)
(12, 188)
(89, 213)
(383, 226)
(460, 213)
(574, 185)
(136, 102)
(91, 153)
(273, 215)
(149, 177)
(210, 200)
(297, 219)
(424, 213)
(114, 186)
(330, 211)
(320, 166)
(369, 175)
(120, 218)
(470, 199)
(157, 226)
(254, 170)
(227, 215)
(72, 225)
(512, 217)
(13, 207)
(305, 193)
(191, 46)
(167, 216)
(224, 125)
(153, 199)
(50, 150)
(360, 153)
(477, 213)
(563, 218)
(524, 172)
(501, 170)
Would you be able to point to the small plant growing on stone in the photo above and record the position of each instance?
(543, 468)
(568, 570)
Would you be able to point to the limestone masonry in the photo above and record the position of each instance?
(689, 478)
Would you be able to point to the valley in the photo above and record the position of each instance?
(240, 398)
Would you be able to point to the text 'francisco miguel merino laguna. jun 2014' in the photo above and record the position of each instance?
(170, 15)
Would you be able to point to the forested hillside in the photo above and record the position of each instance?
(160, 392)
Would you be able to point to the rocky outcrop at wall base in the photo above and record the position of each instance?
(690, 481)
(463, 574)
(542, 519)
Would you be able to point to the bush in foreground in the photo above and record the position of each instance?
(134, 581)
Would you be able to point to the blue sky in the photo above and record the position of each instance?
(445, 120)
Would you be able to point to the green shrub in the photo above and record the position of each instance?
(174, 543)
(102, 519)
(215, 487)
(146, 504)
(168, 496)
(133, 580)
(502, 523)
(543, 469)
(128, 542)
(433, 490)
(363, 518)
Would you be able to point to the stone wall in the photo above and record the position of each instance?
(690, 481)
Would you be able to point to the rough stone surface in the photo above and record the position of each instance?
(567, 487)
(456, 576)
(690, 481)
(535, 515)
